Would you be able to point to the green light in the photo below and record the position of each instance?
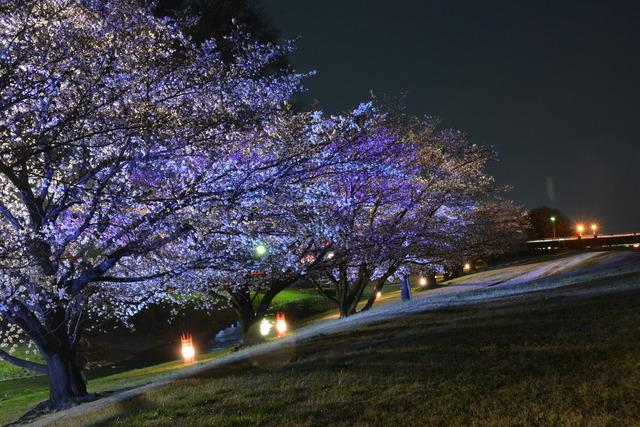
(553, 219)
(261, 249)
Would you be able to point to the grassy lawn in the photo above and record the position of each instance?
(10, 371)
(545, 361)
(21, 390)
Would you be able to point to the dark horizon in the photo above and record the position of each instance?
(552, 87)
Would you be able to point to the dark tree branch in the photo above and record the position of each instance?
(38, 367)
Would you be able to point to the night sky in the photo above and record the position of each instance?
(553, 85)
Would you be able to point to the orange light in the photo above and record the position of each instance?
(188, 350)
(281, 324)
(594, 227)
(378, 295)
(580, 228)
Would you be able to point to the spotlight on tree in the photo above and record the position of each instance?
(265, 327)
(261, 250)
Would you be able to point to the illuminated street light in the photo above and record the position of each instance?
(281, 324)
(188, 351)
(580, 229)
(594, 229)
(553, 225)
(265, 327)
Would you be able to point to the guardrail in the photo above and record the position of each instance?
(588, 241)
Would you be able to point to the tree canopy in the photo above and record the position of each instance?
(139, 164)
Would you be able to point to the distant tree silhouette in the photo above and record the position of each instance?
(219, 17)
(542, 226)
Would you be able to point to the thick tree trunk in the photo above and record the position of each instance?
(378, 288)
(248, 315)
(66, 382)
(63, 368)
(246, 321)
(345, 308)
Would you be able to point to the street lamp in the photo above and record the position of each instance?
(594, 229)
(261, 250)
(580, 229)
(553, 225)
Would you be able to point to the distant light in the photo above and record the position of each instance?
(423, 281)
(636, 245)
(330, 255)
(580, 229)
(281, 324)
(594, 227)
(261, 249)
(553, 219)
(549, 247)
(265, 327)
(466, 267)
(307, 259)
(188, 351)
(378, 295)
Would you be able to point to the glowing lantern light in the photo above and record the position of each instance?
(281, 324)
(378, 295)
(466, 267)
(265, 327)
(188, 351)
(330, 255)
(423, 281)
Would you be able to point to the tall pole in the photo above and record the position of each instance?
(553, 224)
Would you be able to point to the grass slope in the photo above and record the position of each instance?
(550, 358)
(21, 389)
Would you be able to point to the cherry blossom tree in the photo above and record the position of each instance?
(397, 213)
(115, 128)
(268, 241)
